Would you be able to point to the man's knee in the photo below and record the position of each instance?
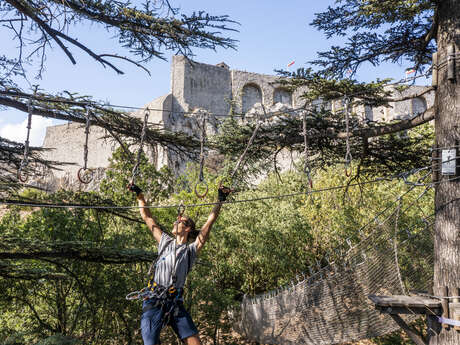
(193, 340)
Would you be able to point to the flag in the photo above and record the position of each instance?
(291, 63)
(410, 71)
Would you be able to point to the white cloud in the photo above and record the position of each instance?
(18, 131)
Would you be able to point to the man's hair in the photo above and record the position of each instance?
(193, 234)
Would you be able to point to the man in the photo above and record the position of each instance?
(175, 259)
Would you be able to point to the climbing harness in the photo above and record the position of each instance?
(153, 290)
(84, 174)
(169, 299)
(202, 182)
(138, 159)
(306, 166)
(348, 156)
(22, 174)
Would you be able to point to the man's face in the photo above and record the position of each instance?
(180, 226)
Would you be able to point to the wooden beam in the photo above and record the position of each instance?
(414, 335)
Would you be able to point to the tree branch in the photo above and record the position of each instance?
(17, 272)
(402, 125)
(19, 248)
(28, 12)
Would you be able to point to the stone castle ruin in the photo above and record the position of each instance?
(214, 88)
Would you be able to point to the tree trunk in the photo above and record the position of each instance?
(447, 129)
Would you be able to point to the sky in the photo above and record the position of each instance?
(270, 35)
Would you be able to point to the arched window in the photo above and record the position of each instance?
(251, 95)
(418, 106)
(282, 96)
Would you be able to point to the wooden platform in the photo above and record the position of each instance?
(407, 304)
(397, 304)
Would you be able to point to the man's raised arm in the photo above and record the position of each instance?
(145, 213)
(206, 229)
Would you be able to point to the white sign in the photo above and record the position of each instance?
(448, 162)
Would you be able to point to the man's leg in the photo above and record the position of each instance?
(193, 340)
(184, 327)
(151, 325)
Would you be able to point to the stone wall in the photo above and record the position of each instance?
(67, 141)
(405, 109)
(200, 85)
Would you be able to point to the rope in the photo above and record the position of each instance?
(202, 142)
(201, 176)
(348, 156)
(85, 148)
(251, 140)
(25, 160)
(306, 167)
(84, 174)
(182, 206)
(139, 152)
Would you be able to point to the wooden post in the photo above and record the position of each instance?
(447, 193)
(445, 306)
(456, 311)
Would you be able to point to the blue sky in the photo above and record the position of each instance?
(271, 34)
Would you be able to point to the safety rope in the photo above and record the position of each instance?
(182, 207)
(22, 175)
(306, 166)
(201, 182)
(135, 171)
(84, 174)
(348, 156)
(248, 145)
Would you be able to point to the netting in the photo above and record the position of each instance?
(332, 306)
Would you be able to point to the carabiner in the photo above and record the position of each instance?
(180, 209)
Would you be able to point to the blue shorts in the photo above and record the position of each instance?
(152, 321)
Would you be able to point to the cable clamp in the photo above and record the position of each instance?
(181, 209)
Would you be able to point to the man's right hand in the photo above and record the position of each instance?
(223, 193)
(134, 188)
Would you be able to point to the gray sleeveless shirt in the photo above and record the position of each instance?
(185, 258)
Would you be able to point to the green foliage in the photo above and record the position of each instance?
(58, 339)
(383, 155)
(157, 184)
(90, 305)
(377, 31)
(254, 247)
(317, 86)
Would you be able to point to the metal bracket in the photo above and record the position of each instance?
(449, 162)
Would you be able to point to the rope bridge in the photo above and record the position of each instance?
(331, 306)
